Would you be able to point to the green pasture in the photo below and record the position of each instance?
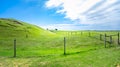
(36, 47)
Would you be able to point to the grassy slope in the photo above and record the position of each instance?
(41, 49)
(14, 28)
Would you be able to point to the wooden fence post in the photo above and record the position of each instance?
(118, 38)
(81, 33)
(105, 40)
(100, 36)
(14, 48)
(26, 36)
(64, 46)
(110, 40)
(89, 34)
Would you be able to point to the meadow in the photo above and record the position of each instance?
(43, 48)
(81, 51)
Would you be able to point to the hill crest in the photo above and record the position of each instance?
(16, 28)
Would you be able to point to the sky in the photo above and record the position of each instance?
(65, 14)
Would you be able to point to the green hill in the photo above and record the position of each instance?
(47, 50)
(15, 28)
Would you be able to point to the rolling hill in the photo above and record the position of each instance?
(15, 28)
(36, 47)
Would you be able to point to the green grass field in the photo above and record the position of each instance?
(37, 47)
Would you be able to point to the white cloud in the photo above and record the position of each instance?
(53, 3)
(105, 5)
(76, 10)
(72, 9)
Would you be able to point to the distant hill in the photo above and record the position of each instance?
(15, 28)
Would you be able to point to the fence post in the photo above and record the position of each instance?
(14, 48)
(100, 36)
(64, 46)
(26, 36)
(105, 40)
(81, 33)
(110, 40)
(89, 34)
(118, 38)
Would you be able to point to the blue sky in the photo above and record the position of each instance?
(65, 14)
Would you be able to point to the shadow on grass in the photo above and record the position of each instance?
(51, 55)
(73, 53)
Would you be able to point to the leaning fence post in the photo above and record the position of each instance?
(14, 48)
(105, 40)
(64, 46)
(118, 38)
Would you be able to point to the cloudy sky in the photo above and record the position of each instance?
(65, 14)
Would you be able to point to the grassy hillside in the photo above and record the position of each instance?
(15, 28)
(45, 49)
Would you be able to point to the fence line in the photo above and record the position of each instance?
(110, 38)
(103, 37)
